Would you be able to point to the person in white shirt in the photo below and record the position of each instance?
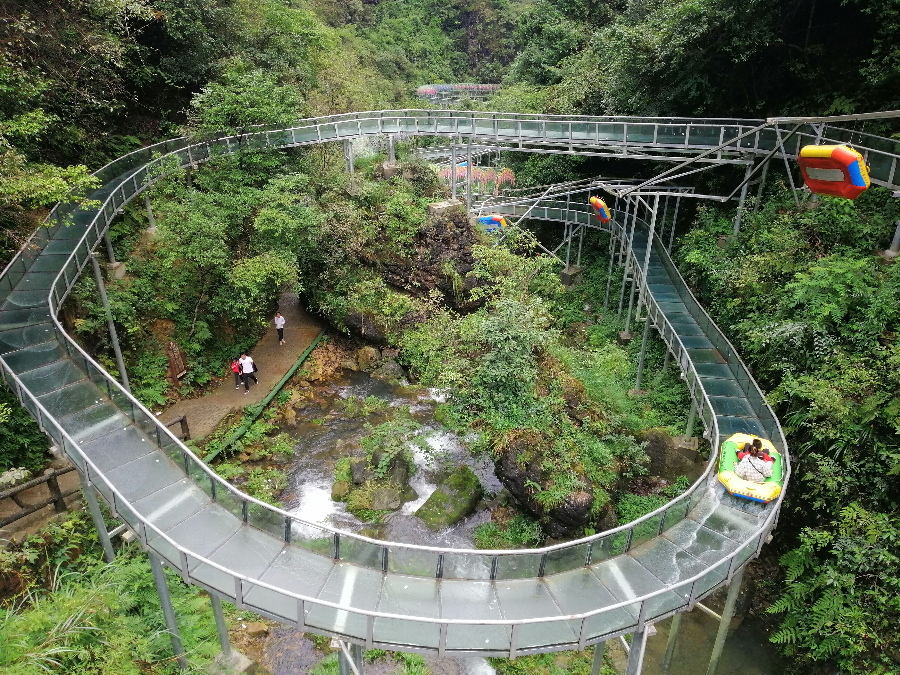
(248, 368)
(279, 326)
(753, 467)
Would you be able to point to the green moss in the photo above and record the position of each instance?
(452, 501)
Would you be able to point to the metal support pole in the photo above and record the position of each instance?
(662, 228)
(787, 164)
(150, 217)
(895, 244)
(580, 243)
(733, 591)
(612, 256)
(453, 170)
(622, 290)
(640, 372)
(350, 659)
(348, 155)
(740, 208)
(636, 652)
(762, 187)
(159, 578)
(631, 301)
(597, 663)
(97, 517)
(674, 222)
(674, 628)
(568, 233)
(109, 248)
(692, 417)
(391, 154)
(221, 627)
(666, 360)
(469, 175)
(117, 350)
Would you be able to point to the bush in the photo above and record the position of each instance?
(22, 443)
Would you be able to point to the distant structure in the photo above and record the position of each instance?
(452, 93)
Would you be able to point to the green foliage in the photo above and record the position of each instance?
(520, 532)
(388, 440)
(22, 443)
(630, 507)
(559, 663)
(342, 470)
(355, 407)
(265, 484)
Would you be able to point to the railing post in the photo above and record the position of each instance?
(674, 223)
(453, 168)
(469, 174)
(110, 253)
(159, 578)
(692, 417)
(117, 350)
(59, 503)
(97, 516)
(762, 187)
(733, 591)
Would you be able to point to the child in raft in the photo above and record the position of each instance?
(759, 447)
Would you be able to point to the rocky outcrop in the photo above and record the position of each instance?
(452, 501)
(519, 469)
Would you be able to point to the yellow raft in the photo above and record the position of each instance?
(757, 492)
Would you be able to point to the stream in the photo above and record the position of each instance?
(323, 433)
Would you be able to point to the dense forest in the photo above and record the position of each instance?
(798, 291)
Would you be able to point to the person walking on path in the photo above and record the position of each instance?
(248, 368)
(279, 326)
(236, 369)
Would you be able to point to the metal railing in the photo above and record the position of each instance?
(128, 176)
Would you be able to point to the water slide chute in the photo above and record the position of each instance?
(745, 489)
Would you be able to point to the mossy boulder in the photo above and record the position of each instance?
(340, 489)
(452, 501)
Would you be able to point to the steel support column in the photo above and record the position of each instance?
(350, 659)
(110, 253)
(453, 170)
(149, 209)
(640, 372)
(221, 627)
(733, 590)
(117, 350)
(636, 652)
(612, 256)
(674, 223)
(348, 155)
(674, 629)
(568, 231)
(644, 291)
(762, 187)
(692, 417)
(787, 164)
(97, 517)
(392, 157)
(159, 578)
(469, 175)
(634, 281)
(597, 663)
(740, 208)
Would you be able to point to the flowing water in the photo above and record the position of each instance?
(323, 434)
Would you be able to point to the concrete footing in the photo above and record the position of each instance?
(625, 337)
(237, 664)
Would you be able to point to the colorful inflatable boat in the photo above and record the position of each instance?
(835, 170)
(493, 223)
(601, 210)
(757, 492)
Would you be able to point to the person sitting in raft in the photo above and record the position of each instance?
(753, 467)
(759, 447)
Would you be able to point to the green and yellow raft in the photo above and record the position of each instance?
(757, 492)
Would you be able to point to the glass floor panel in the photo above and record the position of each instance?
(57, 374)
(172, 505)
(24, 299)
(695, 341)
(683, 328)
(736, 407)
(666, 561)
(93, 422)
(720, 370)
(19, 338)
(580, 591)
(35, 356)
(205, 531)
(529, 598)
(20, 318)
(144, 476)
(117, 448)
(701, 542)
(347, 584)
(248, 552)
(734, 425)
(72, 398)
(705, 356)
(720, 386)
(48, 262)
(36, 281)
(411, 596)
(472, 600)
(726, 521)
(56, 246)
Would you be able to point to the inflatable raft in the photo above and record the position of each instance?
(493, 224)
(757, 492)
(835, 170)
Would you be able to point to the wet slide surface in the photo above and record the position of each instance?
(382, 594)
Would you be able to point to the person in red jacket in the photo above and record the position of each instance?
(759, 448)
(236, 369)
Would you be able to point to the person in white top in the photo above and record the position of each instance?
(279, 326)
(248, 368)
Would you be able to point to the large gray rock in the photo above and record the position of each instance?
(667, 459)
(360, 471)
(367, 358)
(452, 501)
(390, 371)
(386, 499)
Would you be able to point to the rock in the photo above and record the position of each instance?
(367, 358)
(360, 471)
(340, 490)
(14, 477)
(346, 446)
(608, 519)
(304, 383)
(289, 415)
(256, 629)
(666, 459)
(442, 208)
(386, 499)
(349, 364)
(362, 325)
(117, 269)
(452, 501)
(389, 371)
(390, 353)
